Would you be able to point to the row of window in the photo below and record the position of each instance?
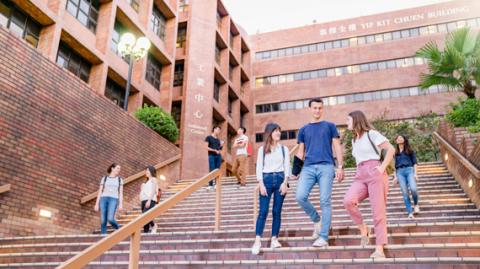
(20, 24)
(86, 12)
(350, 98)
(76, 64)
(368, 39)
(339, 71)
(285, 135)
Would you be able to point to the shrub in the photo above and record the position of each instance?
(419, 132)
(159, 121)
(465, 113)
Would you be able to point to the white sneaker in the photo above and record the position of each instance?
(317, 226)
(275, 244)
(416, 209)
(154, 229)
(256, 248)
(320, 242)
(410, 216)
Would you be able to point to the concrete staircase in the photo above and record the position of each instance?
(446, 234)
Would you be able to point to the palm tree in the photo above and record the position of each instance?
(457, 67)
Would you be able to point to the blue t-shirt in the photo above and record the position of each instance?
(317, 138)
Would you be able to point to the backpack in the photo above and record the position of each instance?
(249, 149)
(105, 180)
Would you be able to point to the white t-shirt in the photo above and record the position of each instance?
(242, 150)
(362, 149)
(111, 188)
(275, 161)
(148, 189)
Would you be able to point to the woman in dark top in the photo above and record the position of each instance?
(406, 173)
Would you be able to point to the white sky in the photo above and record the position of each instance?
(271, 15)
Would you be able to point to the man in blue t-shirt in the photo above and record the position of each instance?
(315, 147)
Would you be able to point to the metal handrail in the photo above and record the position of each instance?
(85, 199)
(133, 229)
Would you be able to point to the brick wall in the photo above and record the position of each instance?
(57, 138)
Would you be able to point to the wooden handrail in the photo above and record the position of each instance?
(5, 188)
(134, 228)
(87, 198)
(293, 151)
(474, 170)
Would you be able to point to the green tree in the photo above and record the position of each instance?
(419, 132)
(458, 66)
(159, 121)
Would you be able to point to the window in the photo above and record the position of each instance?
(387, 36)
(364, 68)
(328, 45)
(86, 12)
(182, 37)
(370, 39)
(259, 137)
(373, 66)
(414, 32)
(345, 43)
(216, 91)
(115, 92)
(451, 26)
(178, 75)
(337, 44)
(134, 4)
(73, 62)
(183, 5)
(158, 23)
(118, 30)
(177, 113)
(217, 54)
(321, 46)
(154, 71)
(405, 33)
(396, 35)
(19, 23)
(305, 49)
(379, 38)
(312, 48)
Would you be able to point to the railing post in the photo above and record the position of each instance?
(134, 250)
(255, 204)
(218, 199)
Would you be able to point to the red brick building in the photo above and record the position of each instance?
(364, 63)
(205, 70)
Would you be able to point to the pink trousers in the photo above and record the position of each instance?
(369, 183)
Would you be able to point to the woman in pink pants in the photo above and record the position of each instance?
(371, 180)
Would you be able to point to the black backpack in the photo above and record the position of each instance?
(105, 180)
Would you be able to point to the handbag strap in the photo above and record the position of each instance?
(373, 144)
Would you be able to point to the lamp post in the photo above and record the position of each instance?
(134, 49)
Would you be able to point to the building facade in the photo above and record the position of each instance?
(366, 63)
(212, 82)
(82, 36)
(205, 70)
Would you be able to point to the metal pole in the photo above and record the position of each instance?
(127, 90)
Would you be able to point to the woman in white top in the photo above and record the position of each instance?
(110, 195)
(273, 170)
(148, 196)
(371, 180)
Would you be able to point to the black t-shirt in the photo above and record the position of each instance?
(213, 143)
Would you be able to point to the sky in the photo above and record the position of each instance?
(270, 15)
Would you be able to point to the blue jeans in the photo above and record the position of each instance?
(321, 174)
(214, 162)
(108, 207)
(272, 182)
(406, 180)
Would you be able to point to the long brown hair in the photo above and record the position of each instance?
(360, 124)
(267, 135)
(406, 146)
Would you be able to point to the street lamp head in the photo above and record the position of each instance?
(128, 39)
(142, 46)
(122, 48)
